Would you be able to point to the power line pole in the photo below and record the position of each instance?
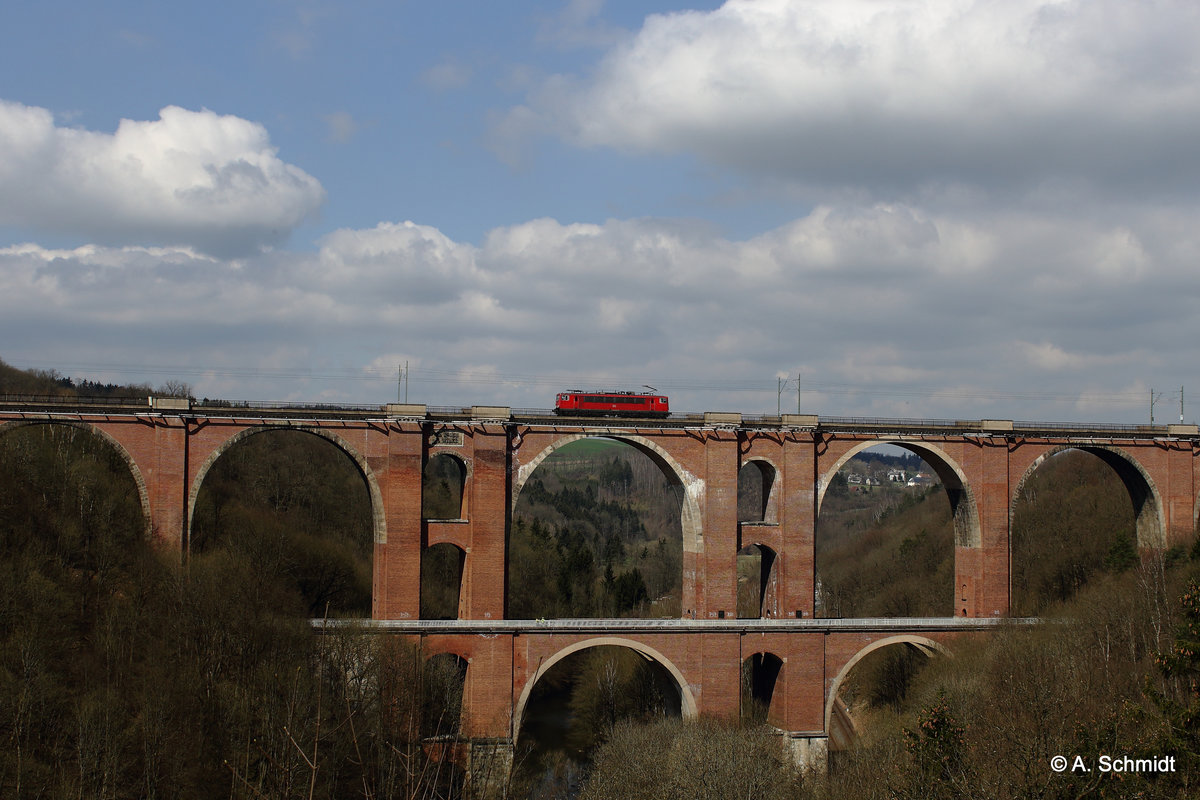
(780, 385)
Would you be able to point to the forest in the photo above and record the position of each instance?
(596, 533)
(50, 383)
(126, 672)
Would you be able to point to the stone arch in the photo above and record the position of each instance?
(426, 655)
(453, 682)
(693, 487)
(462, 470)
(967, 531)
(763, 474)
(923, 644)
(687, 700)
(136, 472)
(438, 555)
(1147, 502)
(378, 517)
(766, 587)
(761, 671)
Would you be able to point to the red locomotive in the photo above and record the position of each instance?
(611, 404)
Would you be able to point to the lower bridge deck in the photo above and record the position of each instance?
(682, 626)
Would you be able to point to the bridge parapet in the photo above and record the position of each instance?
(170, 403)
(479, 413)
(405, 410)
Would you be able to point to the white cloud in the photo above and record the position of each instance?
(887, 309)
(394, 262)
(188, 178)
(896, 95)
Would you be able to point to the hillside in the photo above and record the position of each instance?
(39, 382)
(1115, 676)
(888, 550)
(1073, 521)
(885, 553)
(596, 533)
(126, 673)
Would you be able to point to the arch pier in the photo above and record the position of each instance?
(480, 458)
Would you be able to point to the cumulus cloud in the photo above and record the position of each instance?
(399, 262)
(887, 309)
(899, 95)
(191, 178)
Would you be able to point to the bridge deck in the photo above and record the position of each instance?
(627, 626)
(35, 406)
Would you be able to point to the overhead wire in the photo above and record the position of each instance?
(583, 380)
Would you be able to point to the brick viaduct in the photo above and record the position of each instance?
(170, 446)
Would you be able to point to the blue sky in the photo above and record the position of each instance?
(390, 105)
(938, 209)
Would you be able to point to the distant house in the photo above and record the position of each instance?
(897, 476)
(854, 479)
(920, 479)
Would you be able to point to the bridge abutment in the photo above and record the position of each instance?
(489, 767)
(808, 751)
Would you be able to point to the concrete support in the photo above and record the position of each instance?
(808, 751)
(489, 765)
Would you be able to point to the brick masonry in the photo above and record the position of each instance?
(169, 455)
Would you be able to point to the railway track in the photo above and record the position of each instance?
(41, 405)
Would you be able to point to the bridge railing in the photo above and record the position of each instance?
(284, 405)
(885, 422)
(675, 419)
(449, 411)
(1090, 427)
(58, 399)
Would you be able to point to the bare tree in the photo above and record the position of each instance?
(175, 388)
